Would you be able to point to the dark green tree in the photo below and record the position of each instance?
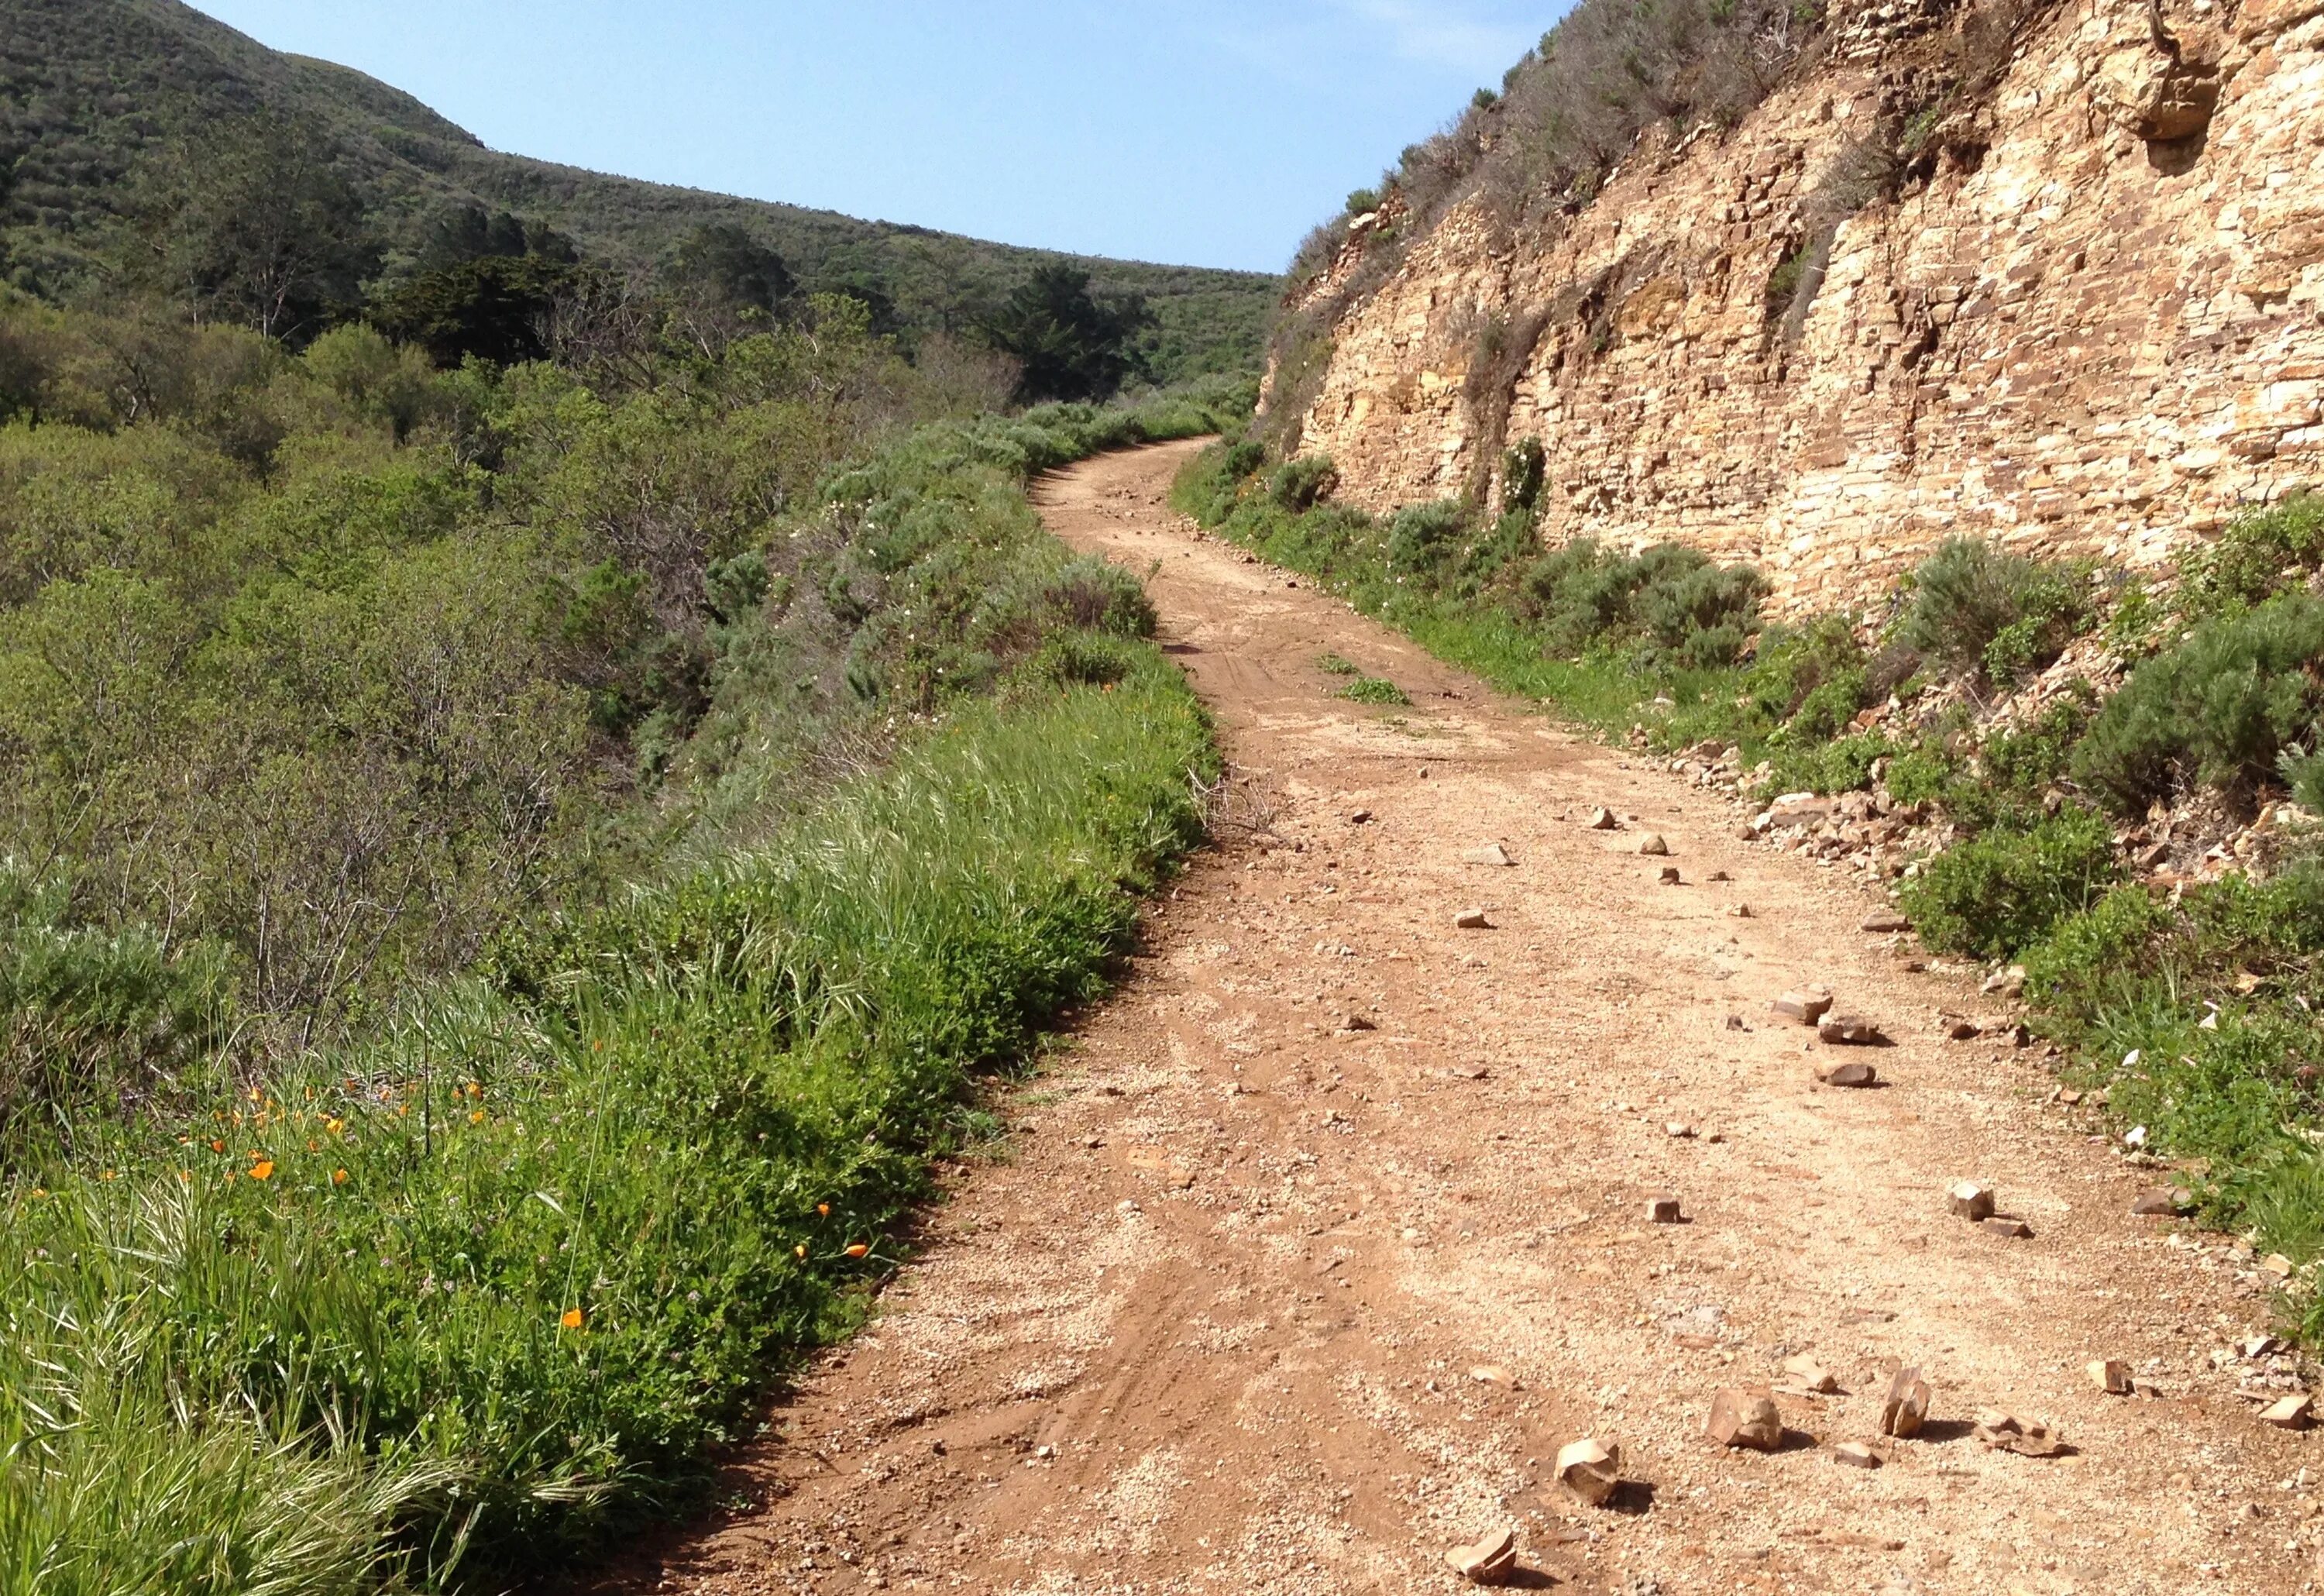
(469, 232)
(731, 271)
(1072, 344)
(251, 223)
(496, 308)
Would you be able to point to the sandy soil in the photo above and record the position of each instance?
(1259, 1301)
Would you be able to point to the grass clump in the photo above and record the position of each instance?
(1373, 689)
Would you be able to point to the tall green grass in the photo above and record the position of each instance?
(491, 1283)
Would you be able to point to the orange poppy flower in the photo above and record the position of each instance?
(338, 1177)
(570, 1319)
(858, 1250)
(800, 1249)
(263, 1170)
(824, 1209)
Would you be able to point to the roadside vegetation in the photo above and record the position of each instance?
(514, 858)
(2118, 788)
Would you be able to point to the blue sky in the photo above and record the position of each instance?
(1208, 132)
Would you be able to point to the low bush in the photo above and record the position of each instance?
(2260, 554)
(2219, 709)
(1996, 894)
(1985, 612)
(1304, 482)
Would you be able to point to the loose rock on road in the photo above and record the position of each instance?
(1328, 1236)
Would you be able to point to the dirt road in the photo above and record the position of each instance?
(1262, 1301)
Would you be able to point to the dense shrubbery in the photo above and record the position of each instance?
(483, 1273)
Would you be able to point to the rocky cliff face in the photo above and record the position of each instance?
(2078, 309)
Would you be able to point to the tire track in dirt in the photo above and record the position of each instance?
(1258, 1301)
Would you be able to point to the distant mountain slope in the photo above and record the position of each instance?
(89, 89)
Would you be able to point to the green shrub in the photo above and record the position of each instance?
(1996, 894)
(1301, 483)
(2218, 710)
(1844, 765)
(1919, 775)
(1673, 600)
(1422, 538)
(2260, 554)
(1986, 612)
(1792, 662)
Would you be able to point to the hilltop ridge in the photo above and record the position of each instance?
(92, 89)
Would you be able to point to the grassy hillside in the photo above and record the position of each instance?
(91, 90)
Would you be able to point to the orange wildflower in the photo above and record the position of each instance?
(570, 1319)
(338, 1177)
(858, 1250)
(263, 1170)
(800, 1249)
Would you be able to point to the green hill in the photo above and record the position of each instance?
(90, 90)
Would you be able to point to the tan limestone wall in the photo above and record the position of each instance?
(2082, 340)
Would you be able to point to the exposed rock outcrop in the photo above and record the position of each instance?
(2076, 308)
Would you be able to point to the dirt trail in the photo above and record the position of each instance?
(1262, 1302)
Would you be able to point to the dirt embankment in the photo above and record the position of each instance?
(1329, 1229)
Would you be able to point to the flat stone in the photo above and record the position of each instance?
(2112, 1376)
(1590, 1468)
(1670, 877)
(1603, 820)
(1809, 1375)
(1664, 1209)
(1360, 817)
(2016, 1229)
(1971, 1199)
(1358, 1022)
(1963, 1030)
(1679, 1131)
(1849, 1030)
(1881, 925)
(1855, 1454)
(2027, 1438)
(2254, 1347)
(1851, 1075)
(1491, 853)
(2295, 1412)
(1745, 1420)
(2162, 1202)
(2276, 1264)
(1904, 1405)
(1488, 1561)
(1806, 1007)
(1473, 919)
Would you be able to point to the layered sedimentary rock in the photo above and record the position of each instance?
(2088, 319)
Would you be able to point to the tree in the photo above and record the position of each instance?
(468, 232)
(497, 308)
(251, 223)
(725, 265)
(1072, 345)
